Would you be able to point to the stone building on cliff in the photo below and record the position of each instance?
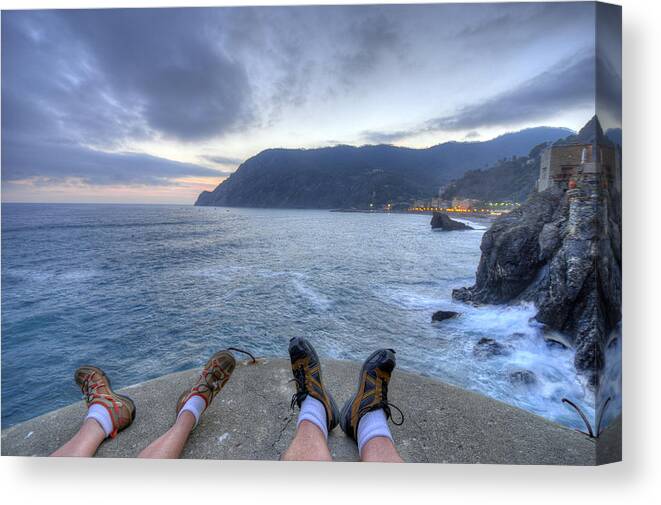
(587, 158)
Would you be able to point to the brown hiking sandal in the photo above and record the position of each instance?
(214, 376)
(372, 393)
(95, 386)
(307, 374)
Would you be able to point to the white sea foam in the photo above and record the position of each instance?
(311, 295)
(453, 359)
(499, 320)
(552, 366)
(477, 226)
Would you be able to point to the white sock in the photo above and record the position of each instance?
(371, 425)
(101, 415)
(314, 411)
(195, 405)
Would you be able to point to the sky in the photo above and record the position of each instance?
(156, 105)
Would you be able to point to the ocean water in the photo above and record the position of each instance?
(143, 291)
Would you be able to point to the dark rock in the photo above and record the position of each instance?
(488, 347)
(549, 240)
(442, 315)
(441, 221)
(463, 294)
(510, 251)
(523, 377)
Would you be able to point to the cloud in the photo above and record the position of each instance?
(222, 160)
(373, 38)
(386, 137)
(59, 161)
(109, 75)
(77, 85)
(82, 88)
(566, 85)
(105, 78)
(503, 25)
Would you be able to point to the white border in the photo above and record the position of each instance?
(39, 480)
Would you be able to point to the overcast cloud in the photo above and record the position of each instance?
(570, 84)
(151, 97)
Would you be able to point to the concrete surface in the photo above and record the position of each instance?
(609, 445)
(251, 419)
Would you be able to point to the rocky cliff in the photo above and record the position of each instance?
(561, 250)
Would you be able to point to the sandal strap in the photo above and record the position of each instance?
(107, 400)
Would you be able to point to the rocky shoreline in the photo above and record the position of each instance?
(560, 250)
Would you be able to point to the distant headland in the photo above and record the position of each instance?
(374, 176)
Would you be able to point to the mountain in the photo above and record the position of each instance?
(355, 177)
(591, 133)
(511, 179)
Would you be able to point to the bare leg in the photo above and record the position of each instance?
(84, 443)
(380, 450)
(309, 444)
(171, 443)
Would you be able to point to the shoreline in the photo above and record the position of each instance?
(251, 419)
(473, 215)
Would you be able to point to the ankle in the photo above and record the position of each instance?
(100, 416)
(91, 428)
(372, 425)
(195, 407)
(185, 420)
(314, 412)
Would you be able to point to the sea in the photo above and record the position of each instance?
(146, 290)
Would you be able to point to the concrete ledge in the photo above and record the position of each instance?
(251, 419)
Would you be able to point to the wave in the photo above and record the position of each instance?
(311, 295)
(50, 227)
(40, 276)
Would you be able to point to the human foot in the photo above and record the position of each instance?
(112, 411)
(214, 376)
(307, 374)
(372, 392)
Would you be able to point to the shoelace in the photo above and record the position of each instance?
(386, 408)
(89, 389)
(236, 349)
(213, 386)
(385, 405)
(208, 386)
(299, 378)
